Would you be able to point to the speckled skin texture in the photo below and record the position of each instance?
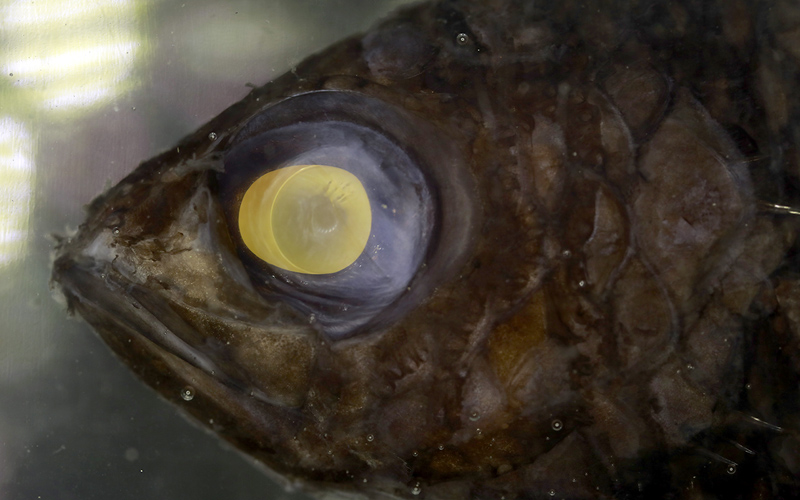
(608, 306)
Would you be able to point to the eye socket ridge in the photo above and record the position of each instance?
(402, 201)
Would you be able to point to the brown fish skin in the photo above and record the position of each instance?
(603, 311)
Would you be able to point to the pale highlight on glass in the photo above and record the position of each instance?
(16, 175)
(64, 55)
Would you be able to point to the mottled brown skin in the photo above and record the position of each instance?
(607, 310)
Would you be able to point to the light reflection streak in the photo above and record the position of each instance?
(20, 14)
(45, 69)
(58, 55)
(16, 172)
(68, 54)
(77, 98)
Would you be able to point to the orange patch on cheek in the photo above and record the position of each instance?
(513, 339)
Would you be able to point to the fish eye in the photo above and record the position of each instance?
(328, 212)
(312, 219)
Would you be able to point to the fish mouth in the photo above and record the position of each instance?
(179, 308)
(152, 337)
(133, 319)
(128, 311)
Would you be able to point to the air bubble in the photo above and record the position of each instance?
(415, 453)
(462, 39)
(370, 438)
(731, 469)
(416, 490)
(475, 416)
(187, 393)
(212, 136)
(556, 424)
(552, 493)
(441, 447)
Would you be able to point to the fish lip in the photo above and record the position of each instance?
(121, 312)
(91, 286)
(133, 334)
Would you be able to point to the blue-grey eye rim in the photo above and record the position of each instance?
(420, 192)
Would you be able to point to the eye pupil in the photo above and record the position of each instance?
(324, 215)
(313, 219)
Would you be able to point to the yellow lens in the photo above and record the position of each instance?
(312, 219)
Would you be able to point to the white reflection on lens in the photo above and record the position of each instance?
(16, 171)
